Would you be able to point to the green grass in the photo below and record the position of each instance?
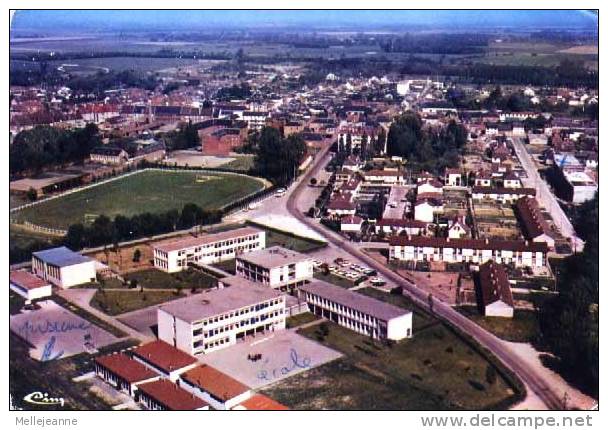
(226, 265)
(523, 327)
(157, 279)
(241, 163)
(149, 191)
(300, 319)
(23, 238)
(120, 301)
(334, 279)
(444, 371)
(290, 241)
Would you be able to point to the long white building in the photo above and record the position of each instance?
(215, 319)
(419, 248)
(63, 267)
(276, 267)
(175, 255)
(357, 312)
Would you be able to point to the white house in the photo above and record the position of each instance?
(29, 286)
(351, 224)
(496, 299)
(430, 187)
(63, 267)
(453, 177)
(426, 207)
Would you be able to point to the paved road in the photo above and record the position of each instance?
(544, 195)
(531, 378)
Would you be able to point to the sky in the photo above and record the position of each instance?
(52, 20)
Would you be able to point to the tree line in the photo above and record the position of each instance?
(45, 146)
(570, 321)
(105, 231)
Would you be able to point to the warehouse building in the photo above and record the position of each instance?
(218, 318)
(63, 267)
(362, 314)
(276, 267)
(174, 255)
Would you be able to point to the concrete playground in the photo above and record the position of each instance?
(54, 332)
(283, 354)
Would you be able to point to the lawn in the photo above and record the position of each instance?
(289, 241)
(334, 279)
(241, 163)
(19, 237)
(228, 266)
(116, 302)
(148, 191)
(157, 279)
(436, 369)
(523, 327)
(300, 319)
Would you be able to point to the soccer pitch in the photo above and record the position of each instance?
(151, 191)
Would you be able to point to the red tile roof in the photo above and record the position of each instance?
(494, 284)
(260, 402)
(164, 356)
(214, 382)
(26, 280)
(533, 222)
(441, 242)
(125, 367)
(171, 396)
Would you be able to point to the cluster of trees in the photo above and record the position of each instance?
(242, 91)
(427, 149)
(45, 146)
(570, 321)
(100, 82)
(277, 158)
(463, 43)
(370, 145)
(104, 230)
(184, 138)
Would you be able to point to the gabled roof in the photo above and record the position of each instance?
(163, 356)
(260, 402)
(26, 280)
(125, 367)
(494, 284)
(171, 396)
(214, 382)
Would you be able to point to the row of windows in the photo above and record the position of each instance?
(313, 298)
(224, 243)
(242, 323)
(243, 311)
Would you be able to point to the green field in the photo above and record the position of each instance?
(115, 302)
(436, 369)
(148, 191)
(523, 327)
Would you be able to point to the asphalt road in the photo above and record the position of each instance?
(544, 195)
(532, 379)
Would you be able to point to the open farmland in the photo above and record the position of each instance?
(148, 191)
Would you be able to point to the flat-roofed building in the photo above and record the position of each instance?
(63, 267)
(164, 359)
(28, 285)
(123, 373)
(164, 395)
(495, 298)
(477, 251)
(362, 314)
(175, 255)
(215, 319)
(276, 267)
(221, 391)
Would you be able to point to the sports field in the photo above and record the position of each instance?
(149, 191)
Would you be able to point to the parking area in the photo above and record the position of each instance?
(282, 354)
(54, 332)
